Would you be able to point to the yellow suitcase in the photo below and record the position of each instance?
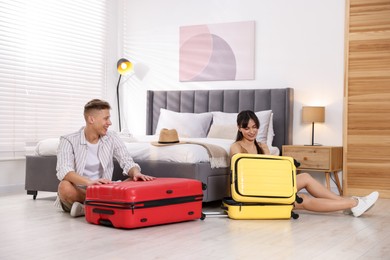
(263, 179)
(262, 187)
(242, 210)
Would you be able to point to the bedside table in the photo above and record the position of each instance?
(327, 159)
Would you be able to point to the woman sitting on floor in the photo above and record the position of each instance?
(321, 199)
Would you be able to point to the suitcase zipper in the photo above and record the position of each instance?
(232, 202)
(144, 204)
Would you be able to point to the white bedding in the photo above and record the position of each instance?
(140, 148)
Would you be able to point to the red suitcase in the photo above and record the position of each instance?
(144, 203)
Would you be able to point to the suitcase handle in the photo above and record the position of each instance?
(103, 211)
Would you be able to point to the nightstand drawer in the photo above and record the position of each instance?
(316, 158)
(310, 158)
(327, 159)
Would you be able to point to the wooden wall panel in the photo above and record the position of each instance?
(367, 98)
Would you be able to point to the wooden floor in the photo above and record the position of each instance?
(34, 229)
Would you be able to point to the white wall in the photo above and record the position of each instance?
(12, 174)
(299, 44)
(12, 177)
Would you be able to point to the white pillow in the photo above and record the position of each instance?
(47, 147)
(223, 132)
(189, 125)
(222, 118)
(271, 133)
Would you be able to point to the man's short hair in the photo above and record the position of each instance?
(96, 104)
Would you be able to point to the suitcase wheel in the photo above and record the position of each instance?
(203, 216)
(298, 199)
(294, 215)
(105, 222)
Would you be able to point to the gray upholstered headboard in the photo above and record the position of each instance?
(280, 101)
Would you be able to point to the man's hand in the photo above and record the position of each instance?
(137, 176)
(99, 181)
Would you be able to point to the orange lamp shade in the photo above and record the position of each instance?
(124, 66)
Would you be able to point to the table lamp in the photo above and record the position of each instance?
(313, 115)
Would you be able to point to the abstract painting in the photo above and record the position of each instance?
(223, 51)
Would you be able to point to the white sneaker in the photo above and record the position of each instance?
(364, 203)
(77, 210)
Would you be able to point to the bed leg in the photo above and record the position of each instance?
(33, 192)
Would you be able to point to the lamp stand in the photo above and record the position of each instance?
(312, 137)
(312, 133)
(117, 101)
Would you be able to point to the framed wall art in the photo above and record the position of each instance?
(224, 51)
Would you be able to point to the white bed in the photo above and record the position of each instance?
(140, 148)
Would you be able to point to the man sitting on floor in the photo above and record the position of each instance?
(86, 158)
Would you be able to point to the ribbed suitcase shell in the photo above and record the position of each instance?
(239, 210)
(144, 203)
(263, 179)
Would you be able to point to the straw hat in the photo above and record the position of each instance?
(167, 137)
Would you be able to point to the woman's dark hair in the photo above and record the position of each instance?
(242, 122)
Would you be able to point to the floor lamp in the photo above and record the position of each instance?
(123, 66)
(313, 115)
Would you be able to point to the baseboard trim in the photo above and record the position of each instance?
(11, 189)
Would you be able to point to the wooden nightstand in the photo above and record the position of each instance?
(328, 159)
